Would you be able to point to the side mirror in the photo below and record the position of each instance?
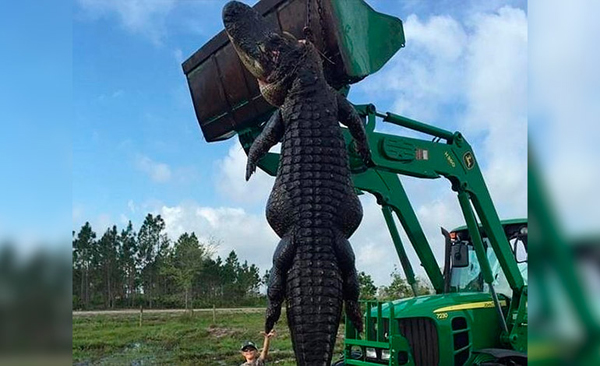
(460, 256)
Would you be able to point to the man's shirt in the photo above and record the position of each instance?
(256, 362)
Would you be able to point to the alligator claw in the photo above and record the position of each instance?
(365, 154)
(250, 168)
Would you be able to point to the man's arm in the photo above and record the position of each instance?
(265, 350)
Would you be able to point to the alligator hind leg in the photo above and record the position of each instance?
(282, 260)
(345, 257)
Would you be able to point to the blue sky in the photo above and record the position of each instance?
(35, 115)
(137, 148)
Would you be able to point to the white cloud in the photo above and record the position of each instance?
(426, 75)
(131, 206)
(564, 59)
(124, 220)
(469, 75)
(138, 16)
(497, 104)
(230, 178)
(101, 224)
(158, 172)
(442, 37)
(248, 234)
(253, 240)
(372, 243)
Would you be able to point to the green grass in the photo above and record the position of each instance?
(177, 339)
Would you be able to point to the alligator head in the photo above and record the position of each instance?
(272, 57)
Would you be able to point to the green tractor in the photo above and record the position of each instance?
(478, 315)
(457, 327)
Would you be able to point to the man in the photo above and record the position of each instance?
(250, 352)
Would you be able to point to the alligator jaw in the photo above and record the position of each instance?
(251, 36)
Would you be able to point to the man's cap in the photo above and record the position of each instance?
(248, 344)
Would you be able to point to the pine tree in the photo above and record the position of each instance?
(186, 263)
(83, 248)
(128, 255)
(152, 246)
(108, 249)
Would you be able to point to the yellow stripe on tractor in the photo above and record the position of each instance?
(469, 306)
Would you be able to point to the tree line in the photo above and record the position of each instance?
(399, 287)
(125, 268)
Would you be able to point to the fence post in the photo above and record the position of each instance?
(141, 314)
(214, 314)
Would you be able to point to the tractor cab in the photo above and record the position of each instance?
(465, 270)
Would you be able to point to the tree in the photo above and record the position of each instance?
(112, 271)
(108, 266)
(424, 287)
(398, 289)
(209, 283)
(368, 290)
(249, 279)
(264, 280)
(186, 262)
(83, 252)
(229, 274)
(152, 246)
(240, 281)
(128, 261)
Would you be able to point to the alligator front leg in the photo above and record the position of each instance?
(282, 261)
(350, 286)
(348, 117)
(269, 137)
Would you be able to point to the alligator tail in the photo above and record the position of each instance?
(314, 297)
(316, 268)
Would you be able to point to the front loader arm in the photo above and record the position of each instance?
(448, 155)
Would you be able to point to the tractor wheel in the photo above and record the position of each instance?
(497, 357)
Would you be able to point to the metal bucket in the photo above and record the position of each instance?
(356, 40)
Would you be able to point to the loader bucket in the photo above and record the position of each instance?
(356, 39)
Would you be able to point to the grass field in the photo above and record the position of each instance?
(177, 339)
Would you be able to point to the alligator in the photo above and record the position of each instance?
(313, 206)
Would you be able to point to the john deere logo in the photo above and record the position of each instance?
(469, 160)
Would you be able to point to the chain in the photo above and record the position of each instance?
(308, 33)
(307, 30)
(323, 23)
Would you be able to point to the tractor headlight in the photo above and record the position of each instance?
(356, 352)
(371, 353)
(385, 354)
